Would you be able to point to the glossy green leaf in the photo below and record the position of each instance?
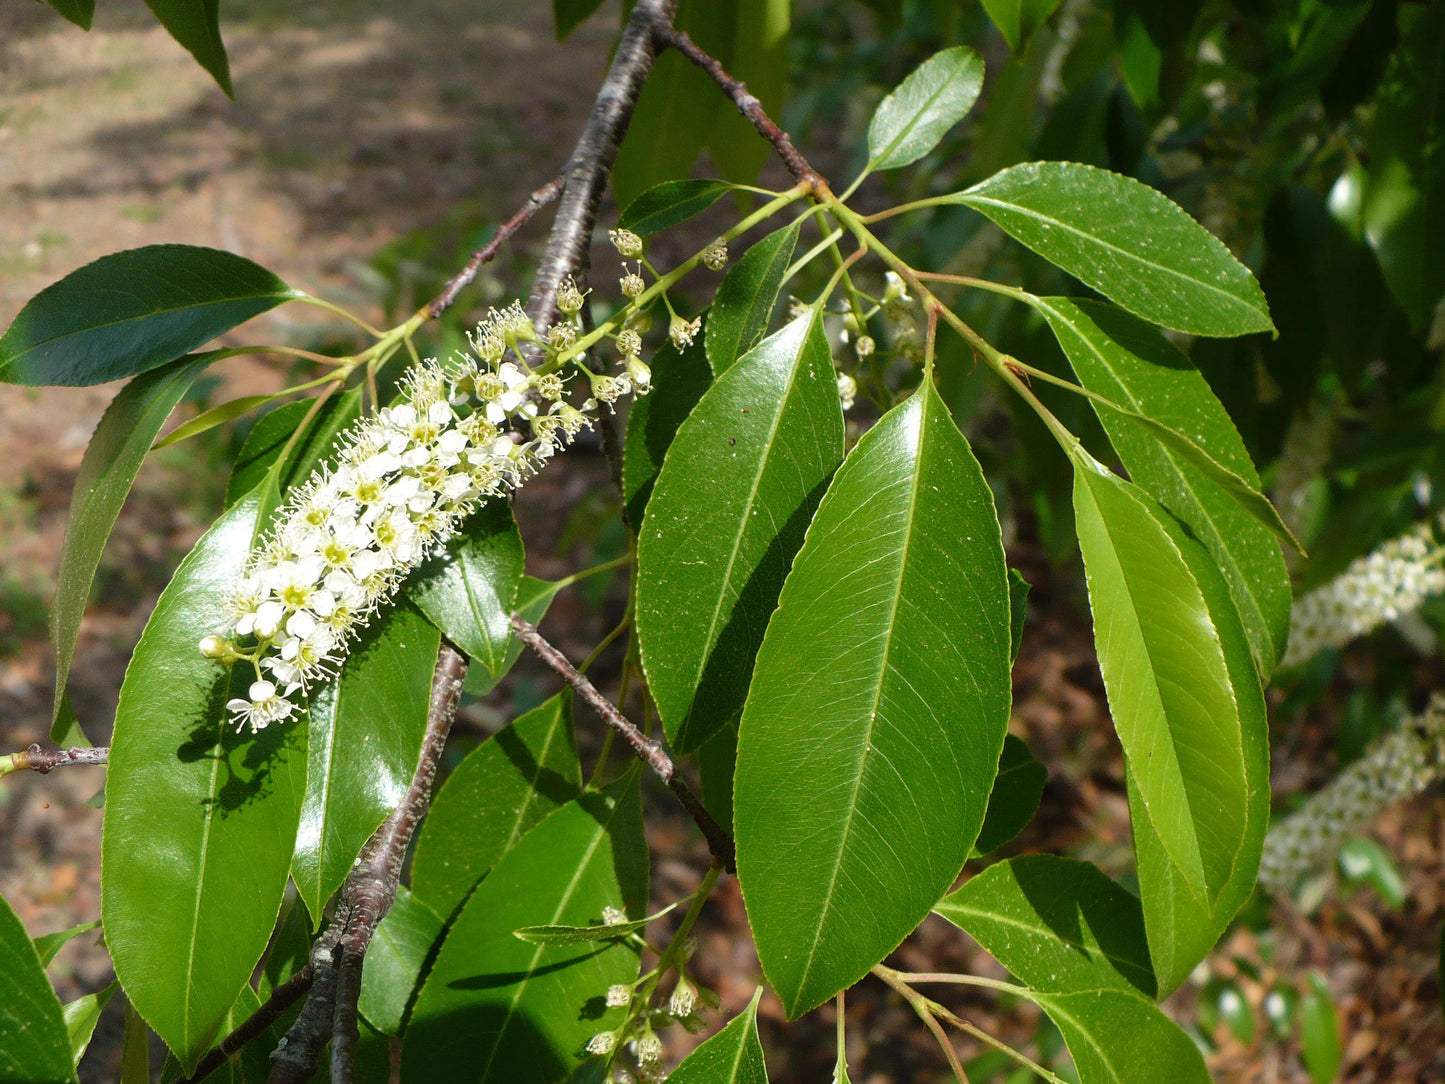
(584, 935)
(34, 1047)
(226, 412)
(1126, 240)
(910, 121)
(251, 1065)
(1168, 686)
(497, 1009)
(503, 789)
(733, 1056)
(366, 729)
(1131, 363)
(468, 590)
(1017, 19)
(80, 12)
(81, 1016)
(395, 960)
(745, 299)
(679, 380)
(1121, 1037)
(1015, 796)
(289, 950)
(49, 945)
(196, 24)
(734, 498)
(1058, 925)
(669, 204)
(107, 471)
(272, 432)
(133, 311)
(877, 712)
(200, 820)
(534, 596)
(1018, 600)
(1320, 1032)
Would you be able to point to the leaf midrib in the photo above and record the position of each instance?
(919, 115)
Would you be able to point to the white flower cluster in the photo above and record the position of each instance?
(1376, 588)
(405, 479)
(1396, 766)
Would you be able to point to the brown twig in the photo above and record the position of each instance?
(670, 37)
(650, 752)
(36, 759)
(281, 999)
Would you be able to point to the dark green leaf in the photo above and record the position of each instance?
(732, 1056)
(878, 708)
(497, 1009)
(717, 762)
(289, 950)
(48, 945)
(132, 311)
(503, 789)
(734, 498)
(80, 12)
(760, 60)
(111, 462)
(745, 300)
(251, 1065)
(1018, 601)
(468, 589)
(395, 960)
(679, 380)
(273, 431)
(568, 15)
(1126, 240)
(921, 109)
(1120, 1037)
(1059, 925)
(534, 596)
(196, 24)
(366, 730)
(1015, 796)
(200, 820)
(1320, 1032)
(1017, 19)
(81, 1016)
(667, 204)
(135, 1061)
(586, 935)
(34, 1047)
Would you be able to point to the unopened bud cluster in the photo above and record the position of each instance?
(1376, 588)
(1397, 766)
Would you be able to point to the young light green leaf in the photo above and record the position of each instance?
(732, 1056)
(213, 417)
(33, 1042)
(877, 711)
(584, 935)
(1057, 924)
(497, 1009)
(745, 299)
(468, 589)
(1320, 1032)
(81, 1016)
(679, 379)
(133, 311)
(1120, 1037)
(1015, 796)
(1203, 474)
(503, 789)
(200, 820)
(48, 945)
(1128, 241)
(197, 26)
(107, 471)
(735, 495)
(1168, 685)
(366, 731)
(669, 204)
(395, 961)
(936, 96)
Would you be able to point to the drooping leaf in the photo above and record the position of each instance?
(1126, 240)
(1121, 1037)
(1168, 685)
(274, 430)
(1129, 362)
(366, 729)
(670, 203)
(503, 789)
(107, 471)
(735, 495)
(196, 24)
(1058, 924)
(49, 945)
(34, 1046)
(395, 960)
(679, 379)
(81, 1016)
(760, 60)
(586, 935)
(915, 116)
(1017, 19)
(877, 710)
(80, 12)
(468, 589)
(747, 296)
(497, 1009)
(133, 311)
(1015, 796)
(733, 1056)
(200, 820)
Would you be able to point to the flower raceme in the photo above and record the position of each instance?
(404, 480)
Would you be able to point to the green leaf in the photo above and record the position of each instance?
(1129, 362)
(568, 15)
(274, 430)
(1320, 1032)
(1120, 1037)
(586, 935)
(503, 789)
(200, 820)
(1364, 861)
(915, 116)
(1018, 600)
(717, 762)
(213, 417)
(760, 60)
(107, 471)
(497, 1009)
(1017, 19)
(251, 1065)
(877, 710)
(81, 1016)
(1059, 925)
(670, 203)
(133, 311)
(468, 589)
(49, 945)
(1168, 685)
(196, 24)
(534, 596)
(135, 1061)
(745, 300)
(366, 729)
(80, 12)
(734, 498)
(679, 380)
(732, 1056)
(1128, 241)
(395, 961)
(34, 1047)
(1015, 796)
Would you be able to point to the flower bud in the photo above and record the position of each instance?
(640, 375)
(631, 283)
(628, 342)
(626, 242)
(865, 346)
(715, 256)
(602, 1042)
(618, 995)
(569, 298)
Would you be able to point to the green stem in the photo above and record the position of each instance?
(339, 311)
